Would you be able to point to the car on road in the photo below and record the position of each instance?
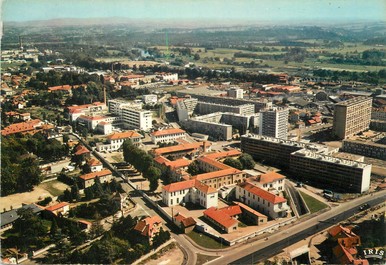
(364, 207)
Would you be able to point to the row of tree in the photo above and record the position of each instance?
(245, 161)
(143, 162)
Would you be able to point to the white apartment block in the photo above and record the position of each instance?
(274, 123)
(378, 114)
(235, 93)
(263, 201)
(169, 77)
(167, 135)
(136, 118)
(189, 191)
(115, 105)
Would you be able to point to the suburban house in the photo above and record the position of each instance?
(345, 251)
(189, 191)
(95, 165)
(167, 135)
(60, 209)
(263, 201)
(225, 218)
(115, 141)
(185, 224)
(148, 227)
(81, 152)
(88, 180)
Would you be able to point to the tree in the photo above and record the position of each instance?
(233, 163)
(247, 161)
(75, 195)
(194, 169)
(152, 173)
(153, 184)
(54, 228)
(196, 57)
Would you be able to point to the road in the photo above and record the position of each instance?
(261, 250)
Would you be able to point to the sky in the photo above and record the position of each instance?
(251, 10)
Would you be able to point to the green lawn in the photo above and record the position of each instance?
(205, 241)
(54, 187)
(313, 204)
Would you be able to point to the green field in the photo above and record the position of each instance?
(313, 204)
(205, 241)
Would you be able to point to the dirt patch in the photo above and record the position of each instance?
(170, 257)
(39, 193)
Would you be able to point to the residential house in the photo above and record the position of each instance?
(147, 228)
(270, 181)
(59, 209)
(88, 180)
(95, 165)
(263, 201)
(225, 218)
(185, 224)
(189, 191)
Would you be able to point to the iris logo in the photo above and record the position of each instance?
(373, 253)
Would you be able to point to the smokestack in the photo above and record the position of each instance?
(20, 43)
(104, 95)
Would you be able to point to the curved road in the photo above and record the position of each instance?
(261, 250)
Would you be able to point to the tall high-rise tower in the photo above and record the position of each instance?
(274, 123)
(352, 116)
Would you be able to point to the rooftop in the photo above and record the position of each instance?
(93, 175)
(265, 195)
(123, 135)
(353, 101)
(181, 147)
(270, 177)
(167, 132)
(57, 206)
(221, 217)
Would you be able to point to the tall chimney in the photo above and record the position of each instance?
(104, 95)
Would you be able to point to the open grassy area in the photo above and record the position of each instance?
(55, 187)
(313, 204)
(205, 241)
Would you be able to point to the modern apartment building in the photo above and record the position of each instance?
(370, 149)
(208, 107)
(352, 116)
(312, 162)
(185, 108)
(235, 93)
(274, 123)
(331, 172)
(136, 118)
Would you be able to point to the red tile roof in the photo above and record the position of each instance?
(217, 174)
(167, 132)
(57, 206)
(188, 184)
(249, 209)
(220, 217)
(270, 177)
(92, 175)
(265, 195)
(220, 155)
(57, 88)
(187, 222)
(181, 147)
(80, 150)
(177, 186)
(146, 226)
(94, 162)
(22, 127)
(124, 135)
(231, 210)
